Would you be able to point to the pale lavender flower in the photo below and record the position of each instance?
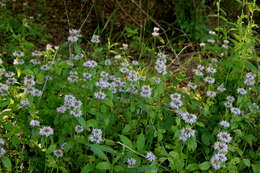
(150, 157)
(224, 137)
(46, 131)
(224, 124)
(58, 153)
(131, 163)
(221, 147)
(34, 123)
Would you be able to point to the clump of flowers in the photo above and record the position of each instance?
(46, 131)
(96, 136)
(160, 64)
(74, 35)
(72, 105)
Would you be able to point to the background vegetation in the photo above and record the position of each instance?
(129, 86)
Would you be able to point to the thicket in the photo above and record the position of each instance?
(129, 86)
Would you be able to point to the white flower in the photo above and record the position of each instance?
(100, 95)
(61, 109)
(2, 141)
(226, 41)
(217, 159)
(37, 53)
(45, 68)
(95, 39)
(2, 152)
(58, 153)
(150, 157)
(46, 131)
(241, 91)
(186, 133)
(131, 162)
(212, 32)
(135, 62)
(155, 34)
(251, 76)
(224, 137)
(221, 147)
(192, 86)
(96, 136)
(18, 53)
(211, 70)
(90, 64)
(34, 123)
(211, 41)
(146, 91)
(108, 62)
(156, 29)
(124, 70)
(175, 96)
(211, 94)
(87, 76)
(209, 80)
(202, 44)
(230, 99)
(224, 124)
(190, 118)
(79, 129)
(235, 111)
(224, 46)
(175, 104)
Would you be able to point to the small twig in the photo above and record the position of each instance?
(129, 148)
(86, 17)
(154, 21)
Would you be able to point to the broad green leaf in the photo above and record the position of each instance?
(7, 163)
(126, 141)
(192, 167)
(98, 151)
(140, 142)
(103, 165)
(204, 166)
(87, 169)
(246, 162)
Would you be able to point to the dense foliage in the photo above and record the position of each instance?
(137, 106)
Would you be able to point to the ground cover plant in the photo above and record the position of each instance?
(107, 109)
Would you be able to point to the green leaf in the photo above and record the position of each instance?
(192, 167)
(192, 144)
(51, 148)
(7, 163)
(126, 141)
(256, 167)
(98, 151)
(108, 102)
(140, 142)
(87, 169)
(246, 162)
(204, 166)
(103, 165)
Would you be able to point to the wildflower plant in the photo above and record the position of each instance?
(102, 111)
